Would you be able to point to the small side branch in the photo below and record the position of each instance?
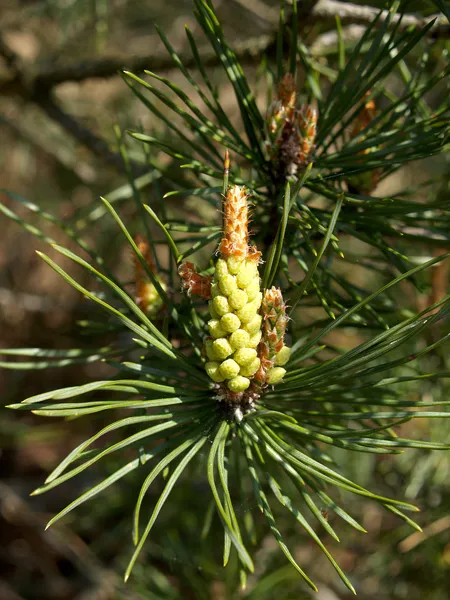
(19, 83)
(328, 10)
(248, 51)
(81, 134)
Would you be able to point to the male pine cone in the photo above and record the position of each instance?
(237, 325)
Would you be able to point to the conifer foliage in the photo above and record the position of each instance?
(222, 376)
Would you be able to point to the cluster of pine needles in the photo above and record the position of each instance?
(311, 158)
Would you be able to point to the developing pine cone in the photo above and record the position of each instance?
(147, 297)
(292, 130)
(236, 348)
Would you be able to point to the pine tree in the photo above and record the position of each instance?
(232, 369)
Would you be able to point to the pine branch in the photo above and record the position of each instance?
(213, 375)
(248, 51)
(18, 83)
(328, 10)
(98, 146)
(81, 169)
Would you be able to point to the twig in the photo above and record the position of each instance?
(418, 537)
(328, 41)
(260, 10)
(10, 57)
(27, 302)
(84, 136)
(82, 169)
(327, 10)
(22, 85)
(110, 67)
(247, 51)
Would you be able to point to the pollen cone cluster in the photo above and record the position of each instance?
(147, 298)
(292, 130)
(193, 283)
(245, 347)
(272, 351)
(235, 324)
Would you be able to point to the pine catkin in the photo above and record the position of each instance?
(241, 352)
(236, 299)
(147, 298)
(272, 352)
(244, 351)
(291, 130)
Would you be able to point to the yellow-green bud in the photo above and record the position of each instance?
(230, 322)
(239, 339)
(235, 323)
(246, 274)
(228, 284)
(255, 339)
(250, 369)
(221, 268)
(216, 329)
(238, 299)
(254, 325)
(275, 375)
(283, 356)
(210, 352)
(253, 289)
(256, 303)
(244, 356)
(212, 369)
(229, 368)
(234, 264)
(222, 348)
(238, 384)
(247, 313)
(221, 306)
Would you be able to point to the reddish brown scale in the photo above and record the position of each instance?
(294, 144)
(146, 251)
(287, 94)
(226, 163)
(365, 117)
(194, 283)
(273, 311)
(307, 122)
(142, 282)
(281, 110)
(365, 182)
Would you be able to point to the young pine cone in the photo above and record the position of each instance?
(245, 350)
(235, 324)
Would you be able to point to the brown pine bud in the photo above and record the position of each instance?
(194, 283)
(287, 93)
(307, 123)
(366, 181)
(147, 298)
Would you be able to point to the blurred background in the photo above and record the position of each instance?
(62, 108)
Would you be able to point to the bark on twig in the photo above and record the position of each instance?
(84, 136)
(20, 84)
(248, 51)
(327, 10)
(36, 87)
(106, 67)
